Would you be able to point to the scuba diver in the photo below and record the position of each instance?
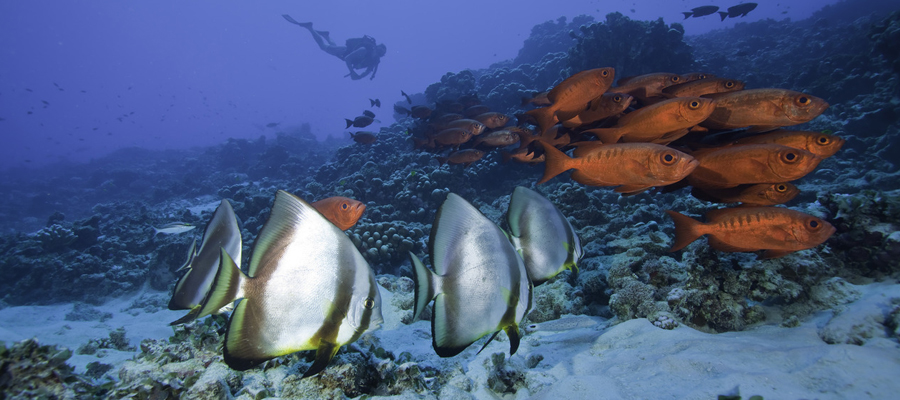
(359, 53)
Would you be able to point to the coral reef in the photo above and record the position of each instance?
(631, 47)
(29, 370)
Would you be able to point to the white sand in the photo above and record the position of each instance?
(48, 325)
(634, 359)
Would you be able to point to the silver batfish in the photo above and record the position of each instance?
(308, 288)
(479, 286)
(222, 232)
(546, 239)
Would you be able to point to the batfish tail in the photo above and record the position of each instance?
(225, 289)
(556, 162)
(685, 230)
(349, 123)
(723, 14)
(425, 290)
(687, 14)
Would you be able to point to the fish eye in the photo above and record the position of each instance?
(803, 101)
(694, 105)
(676, 78)
(729, 84)
(701, 76)
(824, 140)
(814, 224)
(344, 206)
(604, 73)
(617, 98)
(790, 157)
(781, 188)
(668, 158)
(368, 303)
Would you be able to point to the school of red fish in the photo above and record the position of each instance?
(660, 130)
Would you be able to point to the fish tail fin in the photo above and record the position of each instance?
(606, 135)
(685, 230)
(545, 117)
(425, 287)
(723, 14)
(687, 14)
(349, 123)
(224, 290)
(324, 353)
(556, 162)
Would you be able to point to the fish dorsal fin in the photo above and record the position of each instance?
(225, 289)
(289, 212)
(223, 228)
(518, 205)
(454, 218)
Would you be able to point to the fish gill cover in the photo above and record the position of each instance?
(626, 272)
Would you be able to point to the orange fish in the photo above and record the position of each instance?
(820, 144)
(763, 109)
(762, 194)
(571, 96)
(646, 86)
(660, 123)
(362, 137)
(731, 166)
(492, 120)
(777, 231)
(343, 212)
(465, 157)
(701, 87)
(694, 76)
(522, 156)
(604, 106)
(539, 99)
(471, 125)
(501, 138)
(452, 137)
(633, 167)
(476, 110)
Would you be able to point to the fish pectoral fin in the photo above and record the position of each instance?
(631, 190)
(324, 353)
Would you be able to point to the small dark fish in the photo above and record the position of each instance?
(369, 114)
(271, 124)
(700, 11)
(361, 121)
(408, 100)
(375, 103)
(401, 110)
(739, 10)
(27, 89)
(363, 137)
(420, 112)
(45, 103)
